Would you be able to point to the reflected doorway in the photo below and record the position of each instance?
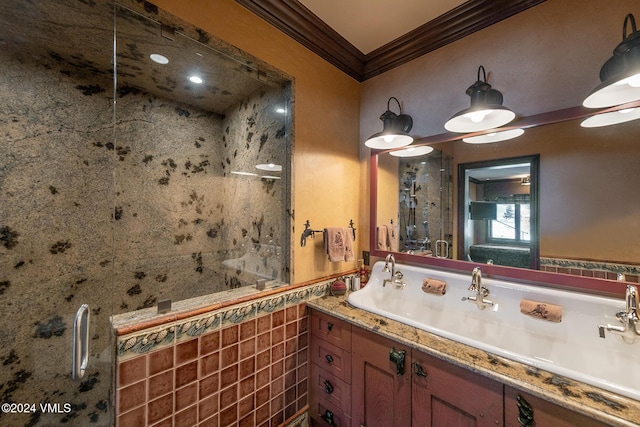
(498, 215)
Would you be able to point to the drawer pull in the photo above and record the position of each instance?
(328, 418)
(329, 359)
(329, 326)
(328, 387)
(525, 413)
(419, 370)
(397, 357)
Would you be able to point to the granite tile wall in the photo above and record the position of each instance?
(117, 219)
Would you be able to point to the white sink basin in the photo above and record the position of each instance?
(571, 348)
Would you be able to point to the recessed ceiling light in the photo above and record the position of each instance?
(160, 59)
(281, 110)
(195, 79)
(269, 167)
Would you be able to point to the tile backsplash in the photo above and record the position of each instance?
(242, 365)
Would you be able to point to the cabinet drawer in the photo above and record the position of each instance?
(326, 386)
(333, 359)
(330, 329)
(325, 414)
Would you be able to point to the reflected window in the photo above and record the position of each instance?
(512, 223)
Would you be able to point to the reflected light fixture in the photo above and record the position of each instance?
(525, 180)
(412, 151)
(395, 128)
(494, 136)
(620, 75)
(611, 118)
(269, 167)
(195, 79)
(160, 59)
(486, 110)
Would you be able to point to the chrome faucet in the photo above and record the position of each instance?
(480, 291)
(396, 276)
(630, 329)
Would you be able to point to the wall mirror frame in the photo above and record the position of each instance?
(561, 280)
(490, 183)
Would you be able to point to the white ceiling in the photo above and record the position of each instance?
(370, 24)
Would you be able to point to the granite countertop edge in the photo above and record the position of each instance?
(597, 403)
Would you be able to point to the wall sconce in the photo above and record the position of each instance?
(486, 110)
(395, 130)
(620, 75)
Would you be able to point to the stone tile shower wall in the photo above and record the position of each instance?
(180, 212)
(117, 223)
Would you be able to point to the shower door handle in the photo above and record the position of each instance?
(80, 355)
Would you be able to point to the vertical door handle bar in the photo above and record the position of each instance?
(80, 352)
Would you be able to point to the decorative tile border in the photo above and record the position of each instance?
(627, 269)
(147, 340)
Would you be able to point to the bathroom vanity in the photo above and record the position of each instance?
(443, 382)
(369, 369)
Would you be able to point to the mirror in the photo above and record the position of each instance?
(589, 222)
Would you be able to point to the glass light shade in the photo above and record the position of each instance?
(611, 118)
(479, 118)
(615, 92)
(494, 137)
(269, 167)
(388, 139)
(412, 151)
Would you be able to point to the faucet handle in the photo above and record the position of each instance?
(398, 275)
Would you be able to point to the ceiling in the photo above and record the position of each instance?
(365, 38)
(377, 22)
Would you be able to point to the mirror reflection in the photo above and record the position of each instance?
(417, 219)
(498, 222)
(589, 221)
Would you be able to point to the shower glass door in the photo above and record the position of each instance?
(57, 162)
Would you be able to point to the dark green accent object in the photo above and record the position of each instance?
(525, 413)
(397, 357)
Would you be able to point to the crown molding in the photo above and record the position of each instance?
(295, 20)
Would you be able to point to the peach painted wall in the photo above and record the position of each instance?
(544, 59)
(326, 171)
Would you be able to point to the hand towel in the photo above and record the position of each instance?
(434, 286)
(334, 243)
(541, 310)
(348, 245)
(383, 236)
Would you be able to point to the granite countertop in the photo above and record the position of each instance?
(597, 403)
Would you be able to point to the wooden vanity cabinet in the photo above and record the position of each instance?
(330, 371)
(543, 413)
(447, 395)
(381, 387)
(356, 380)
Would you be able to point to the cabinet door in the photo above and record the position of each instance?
(381, 395)
(447, 395)
(532, 411)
